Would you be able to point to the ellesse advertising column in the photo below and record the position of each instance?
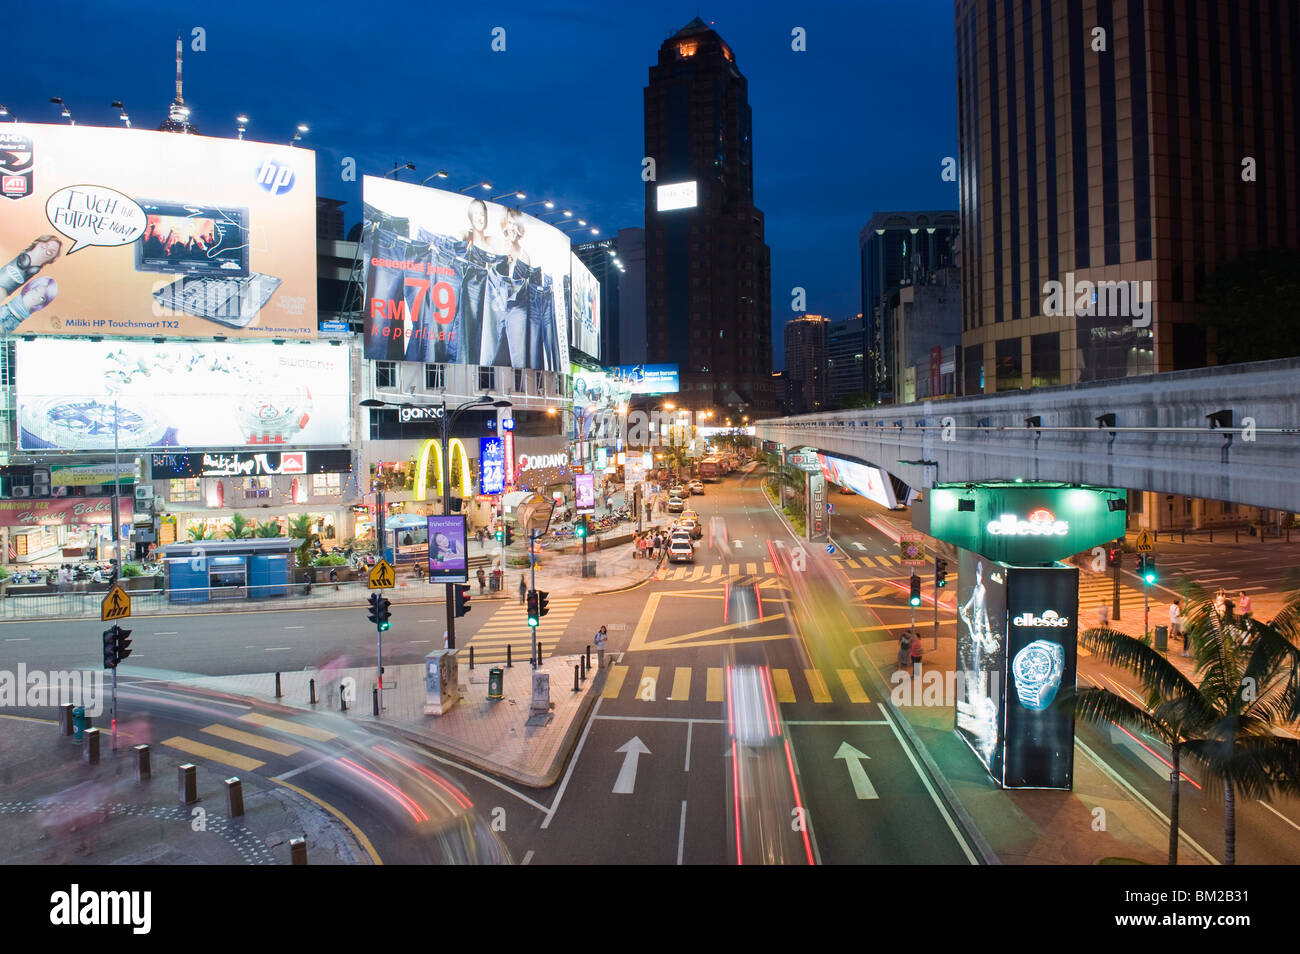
(1038, 719)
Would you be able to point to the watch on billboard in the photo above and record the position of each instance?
(174, 237)
(73, 394)
(447, 559)
(492, 465)
(676, 195)
(585, 491)
(452, 279)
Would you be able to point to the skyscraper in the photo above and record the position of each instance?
(805, 363)
(1114, 142)
(845, 353)
(708, 306)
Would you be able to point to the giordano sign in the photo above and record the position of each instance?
(1021, 523)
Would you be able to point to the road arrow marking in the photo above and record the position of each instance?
(858, 545)
(632, 750)
(862, 786)
(738, 543)
(779, 543)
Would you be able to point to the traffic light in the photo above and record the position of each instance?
(580, 528)
(915, 598)
(1113, 556)
(541, 603)
(510, 534)
(533, 617)
(110, 648)
(1148, 570)
(501, 534)
(940, 572)
(462, 599)
(122, 643)
(379, 612)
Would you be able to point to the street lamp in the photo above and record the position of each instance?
(440, 174)
(505, 195)
(117, 104)
(298, 133)
(4, 111)
(67, 113)
(476, 185)
(242, 120)
(398, 167)
(546, 202)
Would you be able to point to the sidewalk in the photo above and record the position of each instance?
(496, 736)
(60, 810)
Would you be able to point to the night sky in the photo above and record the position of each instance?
(857, 124)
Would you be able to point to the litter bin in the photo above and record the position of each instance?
(79, 722)
(496, 679)
(589, 569)
(1162, 637)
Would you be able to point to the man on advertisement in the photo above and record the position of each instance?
(981, 617)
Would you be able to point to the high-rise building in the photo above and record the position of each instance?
(1112, 142)
(631, 297)
(898, 249)
(178, 114)
(845, 357)
(708, 305)
(805, 363)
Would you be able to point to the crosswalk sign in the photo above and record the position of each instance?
(1144, 542)
(115, 605)
(381, 575)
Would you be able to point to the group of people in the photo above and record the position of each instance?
(650, 545)
(1226, 608)
(910, 652)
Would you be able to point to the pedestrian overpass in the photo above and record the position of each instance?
(1227, 433)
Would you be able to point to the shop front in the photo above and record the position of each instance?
(58, 529)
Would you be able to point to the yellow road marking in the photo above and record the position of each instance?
(713, 684)
(781, 685)
(352, 826)
(252, 741)
(849, 678)
(818, 685)
(768, 567)
(643, 624)
(284, 725)
(681, 684)
(213, 754)
(614, 684)
(647, 689)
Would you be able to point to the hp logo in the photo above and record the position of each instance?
(274, 177)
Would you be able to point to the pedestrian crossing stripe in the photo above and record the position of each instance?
(286, 726)
(688, 574)
(251, 740)
(213, 754)
(868, 560)
(788, 686)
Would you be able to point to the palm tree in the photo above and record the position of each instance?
(200, 532)
(239, 528)
(268, 528)
(300, 529)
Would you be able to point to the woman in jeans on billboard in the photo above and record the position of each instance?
(513, 271)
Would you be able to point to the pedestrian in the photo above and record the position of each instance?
(482, 581)
(914, 649)
(523, 590)
(1176, 624)
(1243, 606)
(334, 576)
(601, 638)
(1103, 616)
(904, 649)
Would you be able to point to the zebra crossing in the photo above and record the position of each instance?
(262, 746)
(1095, 591)
(508, 626)
(695, 573)
(647, 683)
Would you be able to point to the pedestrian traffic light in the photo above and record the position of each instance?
(122, 643)
(462, 599)
(533, 617)
(1148, 570)
(1113, 556)
(915, 598)
(509, 535)
(379, 612)
(940, 572)
(110, 648)
(501, 534)
(580, 528)
(541, 603)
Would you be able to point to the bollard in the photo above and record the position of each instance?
(471, 657)
(90, 746)
(588, 655)
(65, 719)
(1236, 536)
(582, 661)
(298, 851)
(1184, 540)
(575, 678)
(374, 693)
(343, 698)
(277, 686)
(143, 769)
(509, 664)
(234, 797)
(312, 685)
(187, 783)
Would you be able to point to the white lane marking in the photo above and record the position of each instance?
(681, 833)
(689, 727)
(573, 761)
(1280, 815)
(632, 750)
(527, 857)
(167, 634)
(304, 768)
(18, 639)
(277, 649)
(295, 627)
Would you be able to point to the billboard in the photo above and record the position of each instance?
(452, 279)
(676, 195)
(862, 479)
(584, 323)
(646, 378)
(981, 656)
(447, 560)
(491, 465)
(130, 232)
(180, 394)
(584, 487)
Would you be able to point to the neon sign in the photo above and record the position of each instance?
(1041, 523)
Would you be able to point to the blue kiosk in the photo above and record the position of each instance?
(207, 570)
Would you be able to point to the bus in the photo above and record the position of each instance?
(710, 469)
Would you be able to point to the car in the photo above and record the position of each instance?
(690, 515)
(697, 487)
(675, 505)
(681, 550)
(692, 527)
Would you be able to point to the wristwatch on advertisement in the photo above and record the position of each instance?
(1037, 671)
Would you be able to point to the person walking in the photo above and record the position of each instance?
(1103, 616)
(1243, 606)
(1176, 624)
(523, 589)
(482, 581)
(601, 638)
(915, 651)
(904, 650)
(334, 576)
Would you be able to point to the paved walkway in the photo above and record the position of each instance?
(55, 808)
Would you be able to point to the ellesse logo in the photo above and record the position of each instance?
(1049, 618)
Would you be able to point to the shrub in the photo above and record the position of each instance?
(131, 569)
(331, 559)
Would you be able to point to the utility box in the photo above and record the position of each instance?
(441, 688)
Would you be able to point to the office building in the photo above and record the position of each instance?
(805, 363)
(845, 351)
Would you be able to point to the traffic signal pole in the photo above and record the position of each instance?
(936, 609)
(1114, 594)
(379, 659)
(532, 569)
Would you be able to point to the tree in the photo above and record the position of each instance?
(200, 532)
(239, 528)
(300, 529)
(267, 529)
(1252, 307)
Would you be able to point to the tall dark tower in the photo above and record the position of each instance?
(178, 114)
(708, 303)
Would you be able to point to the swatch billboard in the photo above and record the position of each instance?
(72, 394)
(129, 232)
(455, 279)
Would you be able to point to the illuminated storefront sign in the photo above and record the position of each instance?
(1041, 523)
(492, 465)
(434, 448)
(537, 461)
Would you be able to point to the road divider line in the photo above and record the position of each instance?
(681, 833)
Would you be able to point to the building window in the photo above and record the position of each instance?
(385, 374)
(184, 490)
(1045, 360)
(519, 381)
(1008, 365)
(326, 483)
(435, 377)
(539, 380)
(973, 370)
(257, 483)
(487, 379)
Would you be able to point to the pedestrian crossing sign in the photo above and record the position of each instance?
(1144, 542)
(115, 605)
(381, 575)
